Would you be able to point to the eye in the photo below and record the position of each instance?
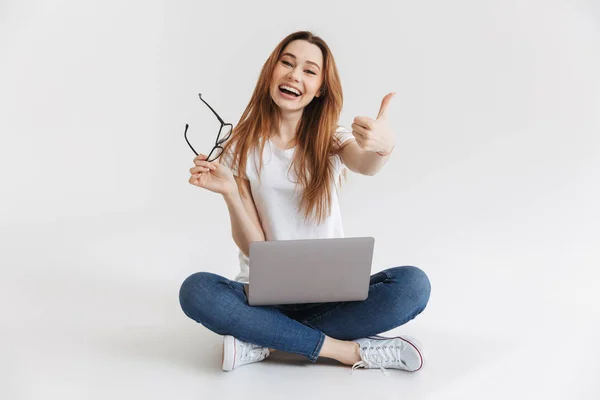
(312, 72)
(287, 63)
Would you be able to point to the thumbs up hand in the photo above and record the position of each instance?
(375, 134)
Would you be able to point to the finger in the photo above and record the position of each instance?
(196, 170)
(357, 135)
(200, 157)
(205, 164)
(365, 122)
(385, 103)
(194, 180)
(357, 129)
(201, 181)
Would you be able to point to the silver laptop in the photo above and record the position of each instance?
(309, 270)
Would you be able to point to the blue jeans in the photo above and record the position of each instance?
(396, 295)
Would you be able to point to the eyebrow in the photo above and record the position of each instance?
(294, 57)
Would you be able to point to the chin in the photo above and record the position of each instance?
(291, 108)
(284, 106)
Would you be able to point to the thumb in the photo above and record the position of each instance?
(385, 103)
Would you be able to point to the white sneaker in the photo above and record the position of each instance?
(395, 352)
(237, 353)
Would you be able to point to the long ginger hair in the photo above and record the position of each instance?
(315, 139)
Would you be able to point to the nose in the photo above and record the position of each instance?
(292, 75)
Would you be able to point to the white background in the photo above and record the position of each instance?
(493, 190)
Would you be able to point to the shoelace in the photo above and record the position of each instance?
(378, 356)
(252, 352)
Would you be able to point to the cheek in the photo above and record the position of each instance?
(277, 77)
(314, 88)
(277, 73)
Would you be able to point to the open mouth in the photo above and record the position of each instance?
(288, 92)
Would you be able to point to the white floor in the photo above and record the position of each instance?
(76, 326)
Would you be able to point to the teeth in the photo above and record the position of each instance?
(291, 89)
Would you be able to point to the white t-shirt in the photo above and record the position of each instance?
(276, 202)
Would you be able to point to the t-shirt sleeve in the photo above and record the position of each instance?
(344, 135)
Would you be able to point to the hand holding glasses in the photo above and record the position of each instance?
(224, 134)
(216, 177)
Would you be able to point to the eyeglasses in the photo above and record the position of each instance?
(224, 134)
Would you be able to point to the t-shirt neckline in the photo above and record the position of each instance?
(274, 146)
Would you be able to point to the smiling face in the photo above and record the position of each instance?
(299, 67)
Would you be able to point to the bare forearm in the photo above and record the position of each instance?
(373, 162)
(242, 228)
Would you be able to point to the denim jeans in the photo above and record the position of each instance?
(396, 295)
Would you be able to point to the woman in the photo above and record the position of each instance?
(291, 155)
